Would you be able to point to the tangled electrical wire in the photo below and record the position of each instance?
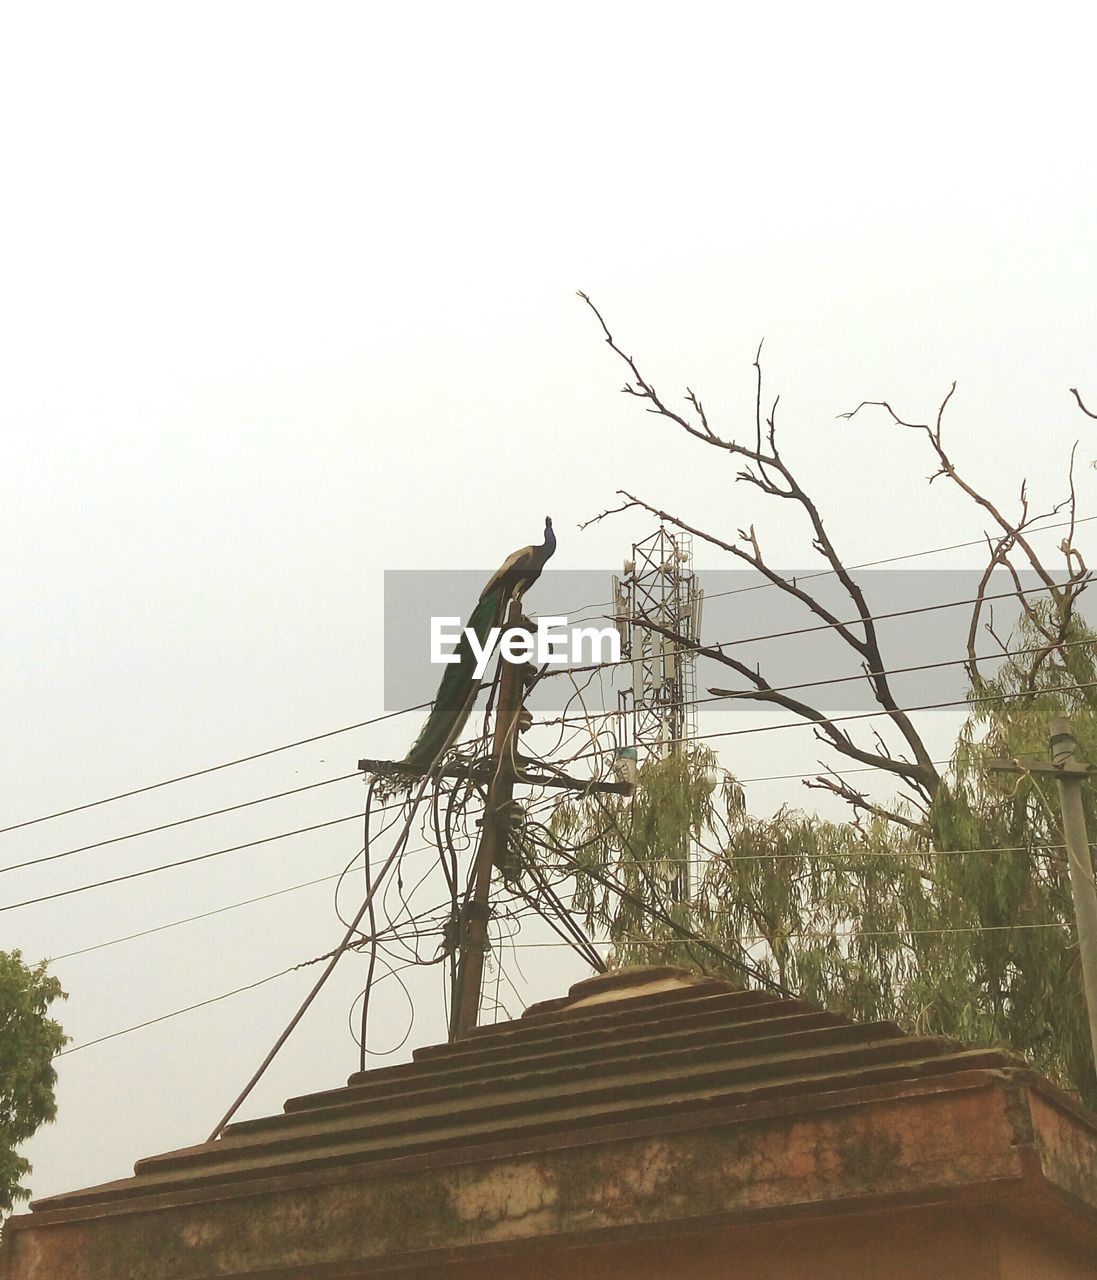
(536, 875)
(407, 926)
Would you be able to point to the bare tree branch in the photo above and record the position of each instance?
(925, 775)
(926, 780)
(860, 802)
(1088, 412)
(764, 468)
(947, 468)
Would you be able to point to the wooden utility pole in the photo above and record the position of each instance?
(1070, 772)
(500, 772)
(494, 834)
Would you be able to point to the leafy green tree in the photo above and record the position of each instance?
(961, 926)
(946, 908)
(29, 1039)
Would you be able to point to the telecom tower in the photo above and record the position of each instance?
(658, 586)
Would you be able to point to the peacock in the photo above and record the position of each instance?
(458, 690)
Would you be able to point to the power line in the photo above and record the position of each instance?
(182, 862)
(204, 915)
(913, 933)
(308, 884)
(213, 768)
(839, 773)
(730, 856)
(652, 943)
(927, 706)
(656, 913)
(910, 555)
(865, 715)
(865, 564)
(701, 649)
(180, 822)
(258, 755)
(695, 939)
(225, 995)
(556, 721)
(748, 695)
(250, 844)
(216, 911)
(201, 1004)
(332, 958)
(752, 938)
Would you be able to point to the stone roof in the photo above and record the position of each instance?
(619, 1049)
(644, 1104)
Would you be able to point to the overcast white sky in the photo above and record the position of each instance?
(287, 299)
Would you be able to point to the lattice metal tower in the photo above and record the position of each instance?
(658, 586)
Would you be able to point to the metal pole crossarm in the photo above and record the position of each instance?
(1028, 764)
(483, 773)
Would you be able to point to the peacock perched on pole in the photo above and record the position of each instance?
(457, 693)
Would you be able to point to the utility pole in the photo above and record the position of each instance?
(503, 769)
(1069, 773)
(494, 834)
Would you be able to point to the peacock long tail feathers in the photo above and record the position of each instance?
(456, 694)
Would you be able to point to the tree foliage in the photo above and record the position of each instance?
(961, 929)
(29, 1039)
(945, 904)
